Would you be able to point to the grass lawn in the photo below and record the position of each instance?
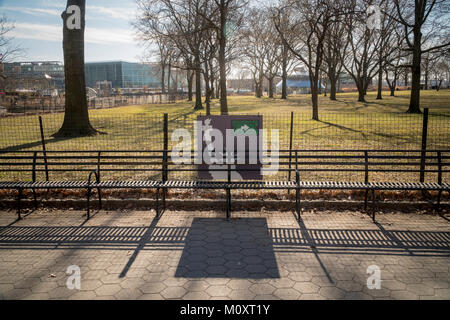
(345, 123)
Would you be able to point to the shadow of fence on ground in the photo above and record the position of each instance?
(253, 233)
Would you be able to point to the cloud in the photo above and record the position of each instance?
(34, 11)
(46, 32)
(112, 12)
(92, 11)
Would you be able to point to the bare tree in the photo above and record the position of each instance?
(440, 70)
(76, 116)
(336, 45)
(361, 62)
(393, 66)
(180, 23)
(419, 17)
(288, 60)
(222, 17)
(304, 34)
(253, 47)
(8, 50)
(388, 44)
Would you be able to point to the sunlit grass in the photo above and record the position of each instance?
(344, 124)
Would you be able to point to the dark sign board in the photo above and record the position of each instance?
(238, 138)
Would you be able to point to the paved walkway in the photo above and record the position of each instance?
(199, 255)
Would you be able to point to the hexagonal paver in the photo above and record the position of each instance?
(217, 281)
(403, 295)
(196, 296)
(332, 293)
(300, 276)
(83, 295)
(282, 283)
(349, 286)
(60, 293)
(239, 284)
(152, 287)
(173, 292)
(262, 289)
(113, 278)
(306, 287)
(241, 294)
(151, 296)
(88, 285)
(357, 296)
(128, 294)
(43, 286)
(420, 289)
(256, 268)
(287, 294)
(377, 293)
(108, 289)
(393, 285)
(17, 294)
(216, 270)
(218, 290)
(196, 285)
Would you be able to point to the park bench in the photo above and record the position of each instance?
(156, 170)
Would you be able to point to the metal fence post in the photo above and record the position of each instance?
(43, 148)
(290, 144)
(165, 146)
(424, 144)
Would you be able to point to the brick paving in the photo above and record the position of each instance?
(200, 255)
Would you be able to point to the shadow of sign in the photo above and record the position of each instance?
(217, 248)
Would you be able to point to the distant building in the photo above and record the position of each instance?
(297, 84)
(34, 74)
(122, 74)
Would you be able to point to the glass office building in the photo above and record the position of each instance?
(52, 71)
(122, 74)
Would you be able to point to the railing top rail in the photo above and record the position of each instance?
(268, 150)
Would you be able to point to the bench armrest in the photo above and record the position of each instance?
(297, 176)
(93, 172)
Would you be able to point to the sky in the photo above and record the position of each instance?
(38, 29)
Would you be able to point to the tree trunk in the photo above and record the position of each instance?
(380, 82)
(175, 86)
(333, 88)
(198, 85)
(211, 86)
(414, 104)
(284, 75)
(207, 90)
(270, 87)
(169, 90)
(314, 98)
(76, 116)
(217, 90)
(222, 47)
(190, 80)
(163, 78)
(361, 92)
(257, 91)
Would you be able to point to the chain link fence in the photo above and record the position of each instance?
(354, 131)
(38, 105)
